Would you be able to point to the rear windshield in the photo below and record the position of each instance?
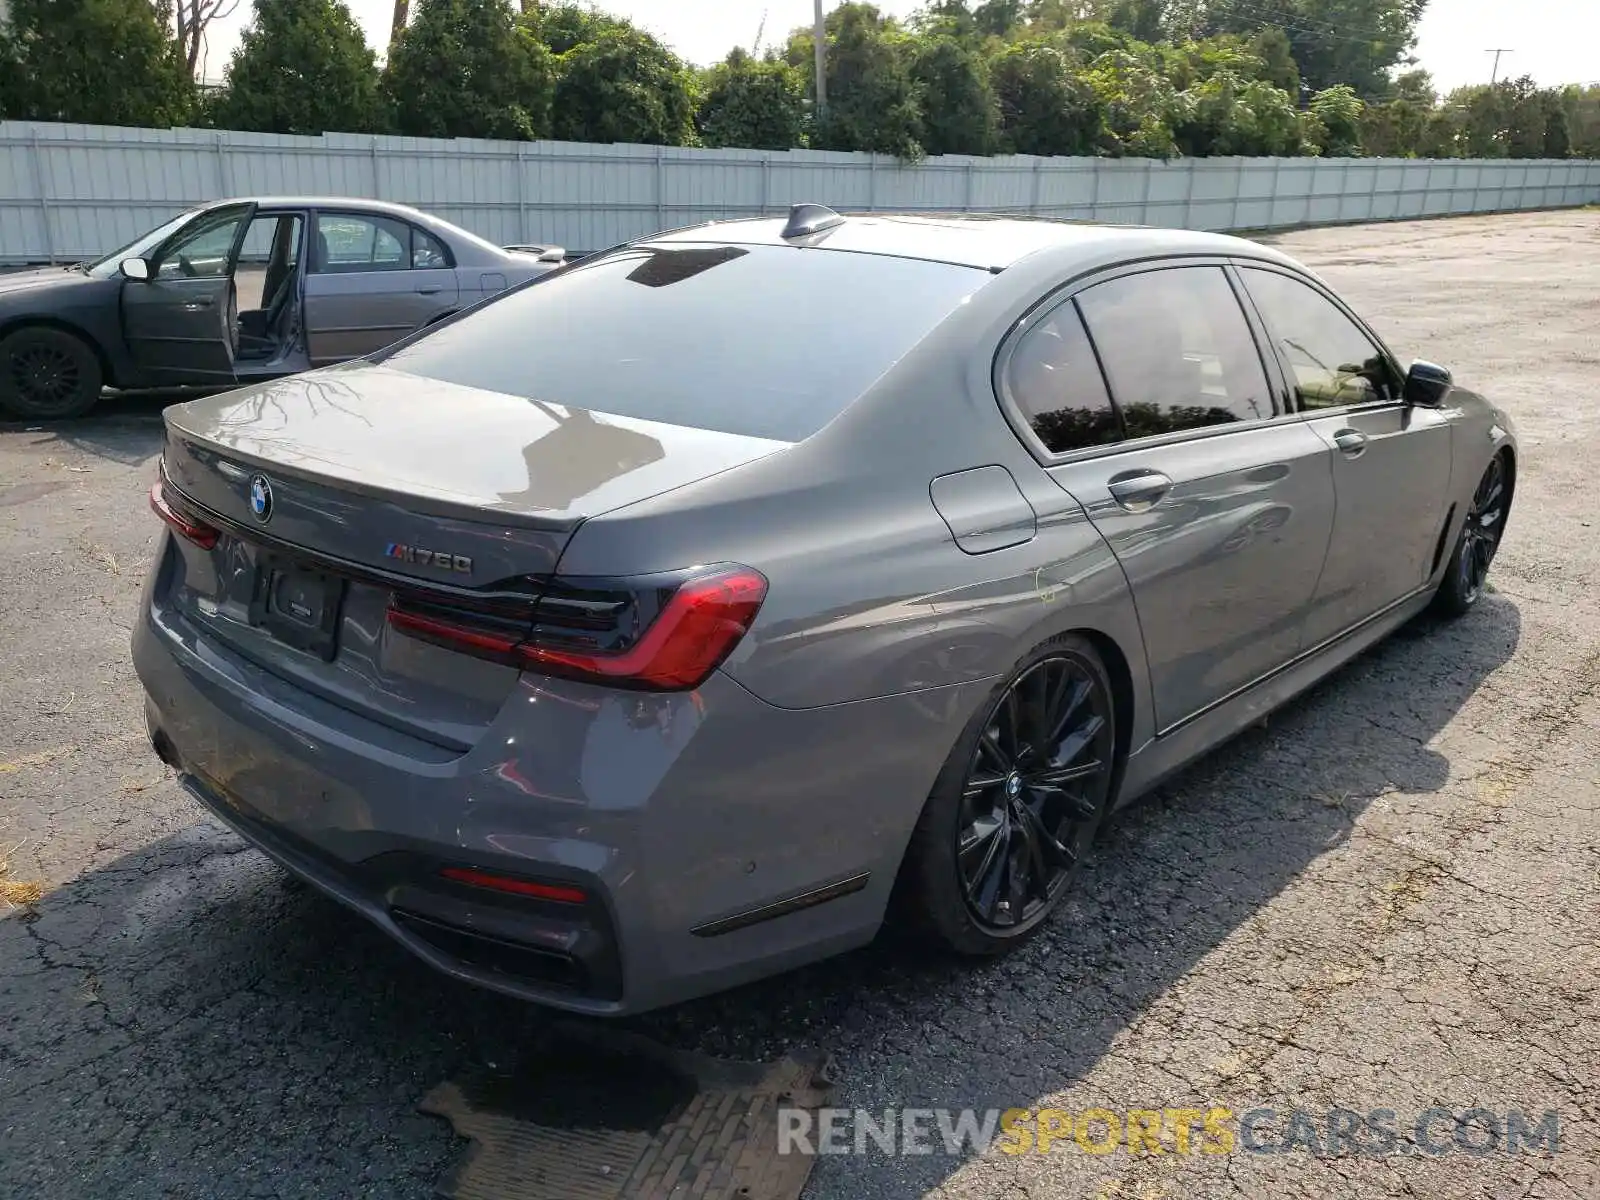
(766, 341)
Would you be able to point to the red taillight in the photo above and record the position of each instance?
(560, 893)
(697, 626)
(196, 531)
(695, 630)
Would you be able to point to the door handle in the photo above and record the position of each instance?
(1139, 491)
(1351, 442)
(198, 303)
(429, 289)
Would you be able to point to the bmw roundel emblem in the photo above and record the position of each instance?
(260, 497)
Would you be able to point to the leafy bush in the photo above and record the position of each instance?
(463, 68)
(104, 62)
(303, 66)
(757, 105)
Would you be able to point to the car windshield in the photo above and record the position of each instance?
(140, 247)
(765, 341)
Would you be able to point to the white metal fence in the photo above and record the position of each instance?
(72, 191)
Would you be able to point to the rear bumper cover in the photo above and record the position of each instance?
(720, 839)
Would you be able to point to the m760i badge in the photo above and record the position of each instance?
(441, 559)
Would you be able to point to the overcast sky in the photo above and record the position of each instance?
(1552, 40)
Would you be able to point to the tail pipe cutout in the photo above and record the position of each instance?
(984, 509)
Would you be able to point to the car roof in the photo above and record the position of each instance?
(478, 250)
(991, 242)
(385, 206)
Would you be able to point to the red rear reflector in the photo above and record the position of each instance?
(560, 893)
(198, 532)
(450, 634)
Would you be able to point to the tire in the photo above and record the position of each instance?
(938, 895)
(48, 374)
(1481, 531)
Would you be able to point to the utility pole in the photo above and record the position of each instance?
(820, 46)
(1497, 51)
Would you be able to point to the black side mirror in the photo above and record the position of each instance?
(1427, 384)
(135, 268)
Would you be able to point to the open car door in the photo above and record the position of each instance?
(180, 322)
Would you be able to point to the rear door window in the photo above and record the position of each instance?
(1177, 350)
(347, 243)
(766, 341)
(1055, 383)
(427, 252)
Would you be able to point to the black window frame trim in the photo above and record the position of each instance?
(1068, 292)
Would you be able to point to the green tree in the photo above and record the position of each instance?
(1227, 115)
(565, 26)
(945, 18)
(105, 62)
(1409, 124)
(1395, 129)
(1271, 45)
(999, 18)
(463, 68)
(751, 104)
(1355, 42)
(1557, 129)
(873, 99)
(1189, 63)
(1441, 136)
(1582, 108)
(1339, 110)
(1090, 39)
(958, 108)
(1512, 119)
(1045, 108)
(623, 86)
(1139, 104)
(1417, 87)
(1140, 19)
(303, 66)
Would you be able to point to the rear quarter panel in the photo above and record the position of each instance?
(869, 595)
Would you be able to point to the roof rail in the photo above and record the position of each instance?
(806, 219)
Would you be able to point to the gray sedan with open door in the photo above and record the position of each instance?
(238, 291)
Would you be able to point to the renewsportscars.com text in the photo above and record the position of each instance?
(1329, 1133)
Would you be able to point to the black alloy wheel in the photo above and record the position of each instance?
(47, 372)
(1015, 809)
(1032, 791)
(1480, 537)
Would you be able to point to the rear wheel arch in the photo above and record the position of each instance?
(913, 905)
(1122, 698)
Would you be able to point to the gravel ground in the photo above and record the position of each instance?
(1386, 899)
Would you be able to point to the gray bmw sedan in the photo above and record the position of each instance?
(681, 616)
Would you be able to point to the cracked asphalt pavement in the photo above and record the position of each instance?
(1387, 898)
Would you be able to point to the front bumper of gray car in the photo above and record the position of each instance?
(713, 838)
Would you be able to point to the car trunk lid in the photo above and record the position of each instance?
(331, 493)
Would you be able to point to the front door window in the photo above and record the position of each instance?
(204, 252)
